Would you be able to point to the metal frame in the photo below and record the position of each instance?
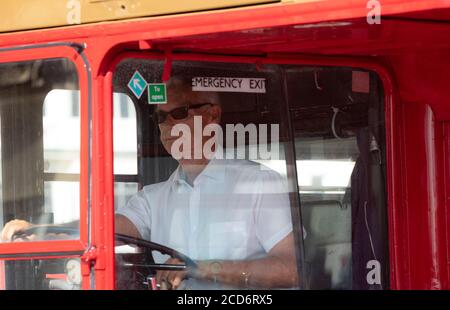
(60, 248)
(364, 63)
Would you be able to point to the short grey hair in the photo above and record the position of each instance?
(184, 83)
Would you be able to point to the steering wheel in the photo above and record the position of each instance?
(152, 246)
(133, 271)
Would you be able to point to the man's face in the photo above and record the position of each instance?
(181, 97)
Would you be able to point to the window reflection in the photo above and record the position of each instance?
(40, 143)
(332, 181)
(41, 274)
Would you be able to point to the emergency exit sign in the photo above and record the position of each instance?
(157, 93)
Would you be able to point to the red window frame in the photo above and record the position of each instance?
(60, 248)
(446, 183)
(390, 96)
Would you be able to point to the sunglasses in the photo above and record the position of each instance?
(177, 114)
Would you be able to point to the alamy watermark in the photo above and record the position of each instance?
(374, 14)
(374, 274)
(257, 135)
(73, 16)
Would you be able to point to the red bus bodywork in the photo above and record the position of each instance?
(410, 50)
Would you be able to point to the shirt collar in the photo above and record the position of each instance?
(215, 170)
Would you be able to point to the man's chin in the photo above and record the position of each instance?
(167, 144)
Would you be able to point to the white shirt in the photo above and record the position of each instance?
(235, 210)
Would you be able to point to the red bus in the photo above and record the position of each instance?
(351, 97)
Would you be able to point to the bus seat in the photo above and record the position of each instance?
(328, 245)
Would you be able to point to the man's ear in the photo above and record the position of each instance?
(215, 113)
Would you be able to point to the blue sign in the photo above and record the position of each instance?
(137, 84)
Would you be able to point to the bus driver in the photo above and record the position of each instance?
(231, 216)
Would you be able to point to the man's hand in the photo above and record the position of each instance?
(171, 280)
(12, 227)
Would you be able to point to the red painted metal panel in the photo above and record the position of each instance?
(446, 152)
(223, 20)
(103, 187)
(423, 77)
(29, 248)
(430, 15)
(424, 214)
(109, 180)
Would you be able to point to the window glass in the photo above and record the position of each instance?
(40, 142)
(125, 135)
(125, 149)
(232, 165)
(61, 200)
(41, 274)
(338, 122)
(61, 124)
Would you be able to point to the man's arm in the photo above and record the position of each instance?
(123, 226)
(12, 227)
(16, 226)
(278, 269)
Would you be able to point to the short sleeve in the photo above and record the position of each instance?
(137, 210)
(272, 211)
